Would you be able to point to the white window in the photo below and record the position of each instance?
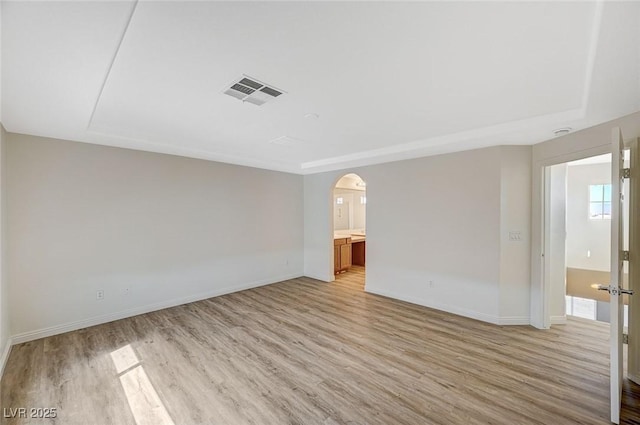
(363, 200)
(340, 200)
(600, 201)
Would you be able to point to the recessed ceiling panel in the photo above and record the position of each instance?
(398, 73)
(55, 56)
(384, 77)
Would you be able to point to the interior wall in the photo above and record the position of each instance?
(557, 258)
(318, 226)
(580, 144)
(150, 230)
(515, 233)
(435, 241)
(5, 328)
(583, 233)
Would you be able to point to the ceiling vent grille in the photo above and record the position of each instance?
(248, 89)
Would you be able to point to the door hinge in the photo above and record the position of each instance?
(626, 173)
(625, 339)
(625, 255)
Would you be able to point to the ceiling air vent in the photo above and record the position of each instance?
(248, 89)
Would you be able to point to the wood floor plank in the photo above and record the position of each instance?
(308, 352)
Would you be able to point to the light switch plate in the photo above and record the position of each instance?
(515, 236)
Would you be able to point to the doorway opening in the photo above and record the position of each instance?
(349, 229)
(616, 206)
(578, 238)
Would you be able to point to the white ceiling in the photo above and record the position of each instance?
(388, 80)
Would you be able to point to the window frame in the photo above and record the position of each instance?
(601, 203)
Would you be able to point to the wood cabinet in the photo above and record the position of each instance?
(341, 254)
(358, 253)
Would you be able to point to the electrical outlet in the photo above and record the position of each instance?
(100, 294)
(126, 290)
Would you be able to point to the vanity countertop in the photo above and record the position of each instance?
(354, 237)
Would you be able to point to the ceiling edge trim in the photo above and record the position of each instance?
(437, 145)
(146, 146)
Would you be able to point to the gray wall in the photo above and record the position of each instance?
(151, 230)
(437, 231)
(557, 241)
(515, 234)
(583, 233)
(5, 331)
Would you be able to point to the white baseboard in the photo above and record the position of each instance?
(5, 356)
(320, 277)
(106, 318)
(514, 320)
(558, 320)
(438, 306)
(634, 378)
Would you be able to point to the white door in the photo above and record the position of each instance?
(615, 286)
(633, 349)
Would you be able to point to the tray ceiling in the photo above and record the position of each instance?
(364, 82)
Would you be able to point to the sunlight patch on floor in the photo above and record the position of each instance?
(144, 402)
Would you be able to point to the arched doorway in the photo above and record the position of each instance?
(349, 227)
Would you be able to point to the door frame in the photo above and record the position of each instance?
(332, 201)
(616, 317)
(551, 244)
(540, 283)
(540, 316)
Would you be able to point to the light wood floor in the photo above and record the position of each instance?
(307, 352)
